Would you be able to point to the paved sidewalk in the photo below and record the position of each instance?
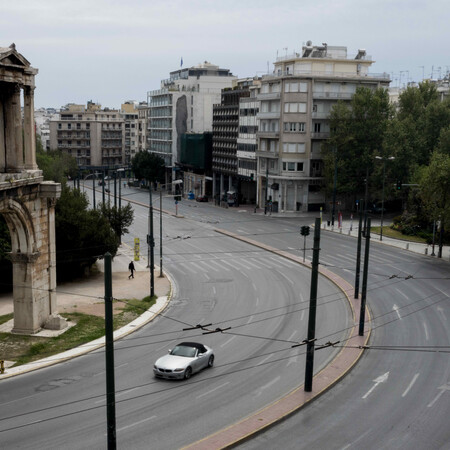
(350, 228)
(86, 295)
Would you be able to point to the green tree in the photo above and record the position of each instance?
(119, 218)
(82, 234)
(56, 165)
(435, 188)
(148, 166)
(357, 135)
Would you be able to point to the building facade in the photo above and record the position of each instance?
(92, 135)
(295, 103)
(183, 104)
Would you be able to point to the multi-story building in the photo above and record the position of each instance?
(183, 105)
(42, 117)
(247, 143)
(296, 100)
(130, 114)
(94, 136)
(225, 135)
(142, 126)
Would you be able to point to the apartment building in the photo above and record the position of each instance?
(183, 104)
(225, 134)
(92, 135)
(295, 102)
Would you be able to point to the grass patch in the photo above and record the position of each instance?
(25, 349)
(389, 232)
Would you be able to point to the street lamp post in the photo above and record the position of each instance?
(390, 158)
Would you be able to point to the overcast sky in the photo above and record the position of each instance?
(111, 51)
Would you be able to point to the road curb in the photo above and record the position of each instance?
(291, 403)
(149, 315)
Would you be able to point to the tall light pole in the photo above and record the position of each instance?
(390, 158)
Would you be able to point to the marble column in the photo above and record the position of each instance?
(29, 132)
(2, 133)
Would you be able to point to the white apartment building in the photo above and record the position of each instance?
(184, 104)
(295, 102)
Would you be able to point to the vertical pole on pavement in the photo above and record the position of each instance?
(333, 211)
(358, 252)
(103, 186)
(109, 353)
(364, 283)
(93, 187)
(120, 190)
(115, 189)
(312, 309)
(160, 235)
(151, 242)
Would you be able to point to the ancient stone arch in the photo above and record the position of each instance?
(26, 201)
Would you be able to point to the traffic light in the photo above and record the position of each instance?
(399, 185)
(304, 230)
(252, 176)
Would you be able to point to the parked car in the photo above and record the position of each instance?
(184, 360)
(202, 198)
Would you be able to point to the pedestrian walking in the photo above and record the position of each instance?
(131, 269)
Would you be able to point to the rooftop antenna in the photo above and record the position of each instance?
(423, 71)
(285, 49)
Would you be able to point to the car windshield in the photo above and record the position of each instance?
(182, 350)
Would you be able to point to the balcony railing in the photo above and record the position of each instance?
(321, 135)
(333, 95)
(268, 115)
(269, 96)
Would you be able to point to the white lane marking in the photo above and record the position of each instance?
(377, 381)
(122, 365)
(250, 319)
(216, 263)
(257, 301)
(264, 360)
(411, 384)
(402, 293)
(136, 423)
(252, 264)
(97, 374)
(240, 231)
(426, 330)
(227, 342)
(441, 312)
(254, 286)
(345, 257)
(302, 315)
(286, 278)
(126, 392)
(214, 290)
(266, 386)
(213, 390)
(395, 308)
(443, 388)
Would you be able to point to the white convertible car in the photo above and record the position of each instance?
(184, 360)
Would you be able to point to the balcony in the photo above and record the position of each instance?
(321, 135)
(269, 96)
(268, 134)
(320, 115)
(268, 115)
(333, 95)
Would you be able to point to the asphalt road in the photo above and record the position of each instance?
(395, 397)
(262, 297)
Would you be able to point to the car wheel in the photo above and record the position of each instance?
(211, 361)
(187, 373)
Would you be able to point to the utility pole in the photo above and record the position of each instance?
(334, 187)
(109, 353)
(115, 189)
(267, 186)
(160, 235)
(103, 186)
(151, 242)
(93, 187)
(312, 309)
(358, 251)
(364, 283)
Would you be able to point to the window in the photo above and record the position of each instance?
(59, 126)
(293, 166)
(294, 147)
(69, 126)
(78, 126)
(294, 107)
(292, 127)
(317, 127)
(303, 87)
